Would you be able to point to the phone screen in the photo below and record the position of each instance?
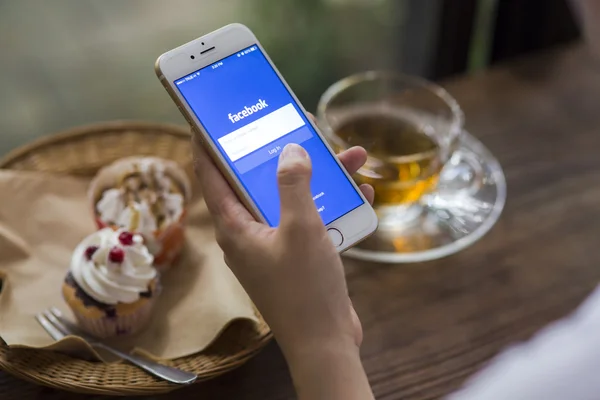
(251, 116)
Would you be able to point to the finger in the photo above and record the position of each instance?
(368, 191)
(220, 199)
(293, 176)
(358, 332)
(353, 159)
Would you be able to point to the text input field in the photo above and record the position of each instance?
(261, 132)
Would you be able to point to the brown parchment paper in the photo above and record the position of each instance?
(43, 217)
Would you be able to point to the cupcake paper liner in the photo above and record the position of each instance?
(120, 325)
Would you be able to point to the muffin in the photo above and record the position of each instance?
(145, 195)
(112, 285)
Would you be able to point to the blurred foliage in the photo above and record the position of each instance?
(317, 42)
(73, 62)
(299, 37)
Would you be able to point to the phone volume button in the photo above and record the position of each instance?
(184, 115)
(197, 135)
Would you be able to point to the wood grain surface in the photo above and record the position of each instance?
(429, 326)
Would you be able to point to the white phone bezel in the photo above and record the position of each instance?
(356, 225)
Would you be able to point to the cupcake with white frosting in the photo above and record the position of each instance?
(145, 195)
(112, 284)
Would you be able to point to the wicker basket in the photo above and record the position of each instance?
(82, 151)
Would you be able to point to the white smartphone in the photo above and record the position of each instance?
(244, 112)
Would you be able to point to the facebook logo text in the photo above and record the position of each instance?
(247, 111)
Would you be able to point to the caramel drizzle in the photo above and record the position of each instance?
(138, 187)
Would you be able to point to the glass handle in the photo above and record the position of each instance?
(455, 201)
(463, 172)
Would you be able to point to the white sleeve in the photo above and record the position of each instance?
(562, 362)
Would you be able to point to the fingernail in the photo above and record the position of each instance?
(293, 152)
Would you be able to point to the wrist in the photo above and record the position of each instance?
(296, 350)
(301, 336)
(328, 370)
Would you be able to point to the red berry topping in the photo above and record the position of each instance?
(126, 238)
(89, 252)
(116, 255)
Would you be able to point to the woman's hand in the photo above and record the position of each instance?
(293, 273)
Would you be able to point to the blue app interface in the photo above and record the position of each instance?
(251, 116)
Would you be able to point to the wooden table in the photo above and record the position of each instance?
(429, 326)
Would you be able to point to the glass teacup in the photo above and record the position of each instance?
(417, 163)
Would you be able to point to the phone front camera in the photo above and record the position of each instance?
(192, 57)
(202, 43)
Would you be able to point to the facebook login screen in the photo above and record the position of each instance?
(251, 116)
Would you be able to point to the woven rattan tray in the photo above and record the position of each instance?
(82, 151)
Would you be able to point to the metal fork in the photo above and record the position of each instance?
(58, 327)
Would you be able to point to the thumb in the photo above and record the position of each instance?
(293, 176)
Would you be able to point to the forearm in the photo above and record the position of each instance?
(329, 372)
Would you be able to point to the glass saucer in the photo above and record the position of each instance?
(466, 204)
